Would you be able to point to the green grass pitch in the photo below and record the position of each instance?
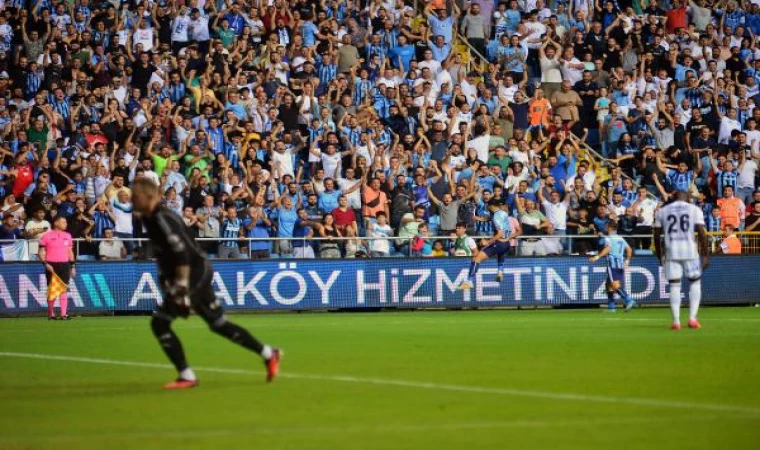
(407, 380)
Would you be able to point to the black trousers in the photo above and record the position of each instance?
(479, 45)
(643, 243)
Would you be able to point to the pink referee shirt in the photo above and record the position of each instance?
(57, 245)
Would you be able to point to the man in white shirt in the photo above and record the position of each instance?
(429, 62)
(745, 182)
(469, 87)
(753, 137)
(282, 158)
(508, 89)
(388, 79)
(380, 246)
(583, 172)
(180, 28)
(36, 226)
(145, 36)
(198, 28)
(571, 67)
(535, 30)
(644, 208)
(555, 210)
(111, 248)
(353, 196)
(121, 208)
(728, 123)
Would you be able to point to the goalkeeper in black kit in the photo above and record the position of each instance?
(185, 277)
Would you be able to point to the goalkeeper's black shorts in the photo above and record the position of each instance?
(202, 300)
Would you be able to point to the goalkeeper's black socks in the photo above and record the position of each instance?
(240, 336)
(170, 343)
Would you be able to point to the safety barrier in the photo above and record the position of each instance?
(298, 284)
(283, 247)
(750, 241)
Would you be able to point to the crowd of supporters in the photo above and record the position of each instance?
(371, 125)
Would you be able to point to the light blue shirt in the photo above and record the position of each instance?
(328, 201)
(440, 53)
(443, 28)
(309, 33)
(616, 256)
(501, 222)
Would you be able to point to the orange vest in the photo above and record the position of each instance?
(538, 112)
(731, 245)
(729, 211)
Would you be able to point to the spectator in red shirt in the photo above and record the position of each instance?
(345, 217)
(94, 136)
(24, 175)
(677, 17)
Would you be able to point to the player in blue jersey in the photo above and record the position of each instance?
(618, 254)
(498, 246)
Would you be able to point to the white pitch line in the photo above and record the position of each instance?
(427, 321)
(557, 396)
(134, 435)
(505, 324)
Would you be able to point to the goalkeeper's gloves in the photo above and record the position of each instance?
(179, 294)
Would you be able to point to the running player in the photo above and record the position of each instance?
(618, 254)
(497, 246)
(185, 277)
(675, 226)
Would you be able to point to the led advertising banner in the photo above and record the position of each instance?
(371, 283)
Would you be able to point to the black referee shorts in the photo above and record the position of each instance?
(62, 269)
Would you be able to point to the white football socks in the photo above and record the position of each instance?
(187, 374)
(695, 296)
(675, 302)
(266, 352)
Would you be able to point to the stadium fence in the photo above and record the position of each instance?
(18, 250)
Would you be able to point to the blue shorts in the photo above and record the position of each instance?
(498, 248)
(615, 275)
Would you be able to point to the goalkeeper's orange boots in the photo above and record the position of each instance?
(179, 383)
(273, 364)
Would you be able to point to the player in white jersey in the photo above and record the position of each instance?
(684, 253)
(497, 246)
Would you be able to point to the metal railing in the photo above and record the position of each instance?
(605, 162)
(750, 241)
(397, 246)
(473, 53)
(555, 244)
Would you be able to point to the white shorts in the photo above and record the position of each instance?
(675, 270)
